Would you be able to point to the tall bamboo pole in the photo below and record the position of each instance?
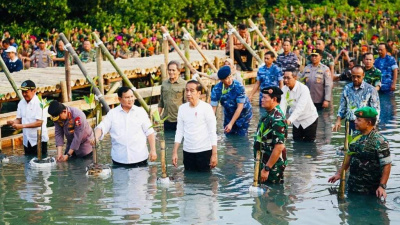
(68, 75)
(187, 63)
(252, 52)
(253, 26)
(119, 71)
(194, 43)
(187, 55)
(166, 51)
(10, 79)
(231, 53)
(342, 185)
(85, 73)
(99, 59)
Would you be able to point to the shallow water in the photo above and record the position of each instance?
(65, 195)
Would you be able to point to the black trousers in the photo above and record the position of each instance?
(131, 165)
(199, 161)
(305, 134)
(32, 150)
(170, 125)
(237, 55)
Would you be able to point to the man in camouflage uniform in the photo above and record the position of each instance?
(358, 36)
(88, 54)
(369, 158)
(271, 135)
(42, 57)
(372, 74)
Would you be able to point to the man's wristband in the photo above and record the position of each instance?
(382, 186)
(69, 155)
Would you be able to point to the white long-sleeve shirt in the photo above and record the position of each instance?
(302, 110)
(128, 132)
(198, 126)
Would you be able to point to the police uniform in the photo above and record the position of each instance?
(42, 58)
(369, 154)
(275, 121)
(77, 131)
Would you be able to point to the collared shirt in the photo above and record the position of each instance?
(353, 99)
(198, 126)
(302, 110)
(287, 61)
(172, 96)
(373, 76)
(386, 65)
(87, 57)
(319, 82)
(42, 59)
(129, 131)
(77, 131)
(29, 113)
(269, 76)
(229, 98)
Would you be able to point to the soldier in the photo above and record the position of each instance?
(172, 95)
(273, 143)
(88, 54)
(372, 74)
(232, 96)
(318, 80)
(42, 57)
(389, 68)
(71, 123)
(358, 36)
(287, 59)
(370, 161)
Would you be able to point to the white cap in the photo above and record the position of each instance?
(11, 49)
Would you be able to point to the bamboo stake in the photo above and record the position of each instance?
(124, 77)
(165, 51)
(164, 74)
(233, 30)
(199, 49)
(64, 95)
(187, 55)
(39, 144)
(99, 59)
(85, 73)
(257, 168)
(187, 63)
(68, 75)
(342, 185)
(231, 53)
(163, 156)
(253, 26)
(10, 79)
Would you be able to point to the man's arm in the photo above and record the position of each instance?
(336, 177)
(276, 153)
(256, 86)
(393, 87)
(380, 192)
(152, 143)
(235, 116)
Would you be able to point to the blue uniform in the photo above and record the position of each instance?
(229, 98)
(269, 77)
(386, 65)
(14, 66)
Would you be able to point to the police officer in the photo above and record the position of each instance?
(318, 79)
(370, 161)
(71, 123)
(42, 57)
(273, 142)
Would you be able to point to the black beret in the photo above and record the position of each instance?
(272, 91)
(224, 72)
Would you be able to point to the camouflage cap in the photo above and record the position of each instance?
(366, 112)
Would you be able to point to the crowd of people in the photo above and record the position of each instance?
(294, 83)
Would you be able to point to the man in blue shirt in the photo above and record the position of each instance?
(356, 95)
(388, 66)
(13, 63)
(287, 59)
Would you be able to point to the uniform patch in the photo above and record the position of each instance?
(77, 121)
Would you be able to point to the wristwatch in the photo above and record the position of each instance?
(267, 168)
(69, 155)
(382, 186)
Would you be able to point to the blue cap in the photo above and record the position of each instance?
(224, 72)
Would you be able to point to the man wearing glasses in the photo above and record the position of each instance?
(71, 123)
(30, 118)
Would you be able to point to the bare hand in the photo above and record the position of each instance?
(325, 104)
(334, 178)
(62, 158)
(393, 87)
(17, 126)
(153, 156)
(228, 128)
(264, 175)
(288, 122)
(380, 192)
(337, 126)
(175, 159)
(10, 122)
(213, 161)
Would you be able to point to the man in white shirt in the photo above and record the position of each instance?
(30, 117)
(302, 112)
(129, 126)
(198, 125)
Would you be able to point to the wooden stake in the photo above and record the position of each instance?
(39, 144)
(342, 185)
(163, 156)
(64, 94)
(187, 55)
(99, 59)
(164, 74)
(231, 53)
(257, 168)
(166, 52)
(68, 75)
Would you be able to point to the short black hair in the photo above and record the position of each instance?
(271, 54)
(6, 41)
(292, 70)
(122, 90)
(368, 53)
(384, 44)
(242, 26)
(198, 85)
(320, 39)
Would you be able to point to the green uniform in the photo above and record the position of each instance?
(371, 153)
(275, 121)
(326, 59)
(172, 96)
(87, 57)
(358, 37)
(373, 76)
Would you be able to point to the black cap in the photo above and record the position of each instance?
(316, 52)
(27, 85)
(272, 91)
(55, 109)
